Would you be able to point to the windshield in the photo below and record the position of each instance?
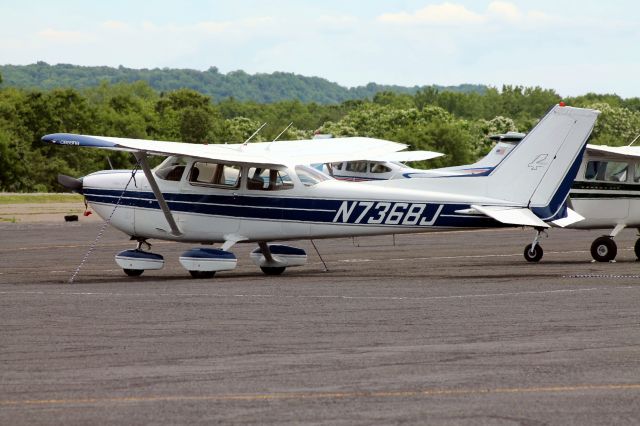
(310, 176)
(172, 168)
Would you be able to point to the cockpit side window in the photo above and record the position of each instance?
(379, 168)
(357, 166)
(608, 171)
(171, 169)
(262, 179)
(215, 174)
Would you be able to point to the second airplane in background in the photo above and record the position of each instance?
(606, 191)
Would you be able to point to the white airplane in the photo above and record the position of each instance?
(263, 192)
(393, 167)
(375, 168)
(605, 191)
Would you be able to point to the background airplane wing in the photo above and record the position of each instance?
(621, 151)
(269, 154)
(404, 156)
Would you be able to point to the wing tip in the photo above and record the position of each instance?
(77, 140)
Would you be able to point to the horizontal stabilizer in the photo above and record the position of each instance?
(512, 215)
(572, 217)
(404, 156)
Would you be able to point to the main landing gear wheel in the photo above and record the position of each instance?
(273, 270)
(636, 249)
(604, 249)
(133, 272)
(533, 254)
(202, 274)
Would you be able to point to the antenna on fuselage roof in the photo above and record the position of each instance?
(634, 141)
(254, 133)
(280, 134)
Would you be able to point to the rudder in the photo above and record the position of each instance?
(539, 171)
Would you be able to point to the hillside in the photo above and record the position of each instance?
(262, 88)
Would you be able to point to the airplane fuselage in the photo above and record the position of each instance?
(329, 208)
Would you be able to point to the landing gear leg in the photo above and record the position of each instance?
(636, 247)
(533, 252)
(141, 242)
(269, 270)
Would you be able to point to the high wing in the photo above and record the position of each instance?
(404, 156)
(267, 154)
(621, 151)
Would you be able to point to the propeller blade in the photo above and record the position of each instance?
(71, 183)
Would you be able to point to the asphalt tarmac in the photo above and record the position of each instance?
(447, 328)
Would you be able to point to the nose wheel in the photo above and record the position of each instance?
(135, 262)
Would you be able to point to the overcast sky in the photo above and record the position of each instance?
(571, 46)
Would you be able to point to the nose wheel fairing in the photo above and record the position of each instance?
(136, 261)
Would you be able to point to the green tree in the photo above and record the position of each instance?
(195, 124)
(615, 126)
(448, 138)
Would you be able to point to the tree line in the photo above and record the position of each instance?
(456, 124)
(263, 88)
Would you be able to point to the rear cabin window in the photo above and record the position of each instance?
(260, 179)
(379, 168)
(607, 171)
(214, 174)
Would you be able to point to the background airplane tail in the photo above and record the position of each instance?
(539, 171)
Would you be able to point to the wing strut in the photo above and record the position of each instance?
(142, 158)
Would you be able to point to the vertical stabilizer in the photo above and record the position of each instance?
(539, 171)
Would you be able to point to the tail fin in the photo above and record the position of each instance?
(539, 171)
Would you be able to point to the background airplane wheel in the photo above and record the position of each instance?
(533, 255)
(202, 274)
(133, 272)
(636, 248)
(273, 270)
(604, 249)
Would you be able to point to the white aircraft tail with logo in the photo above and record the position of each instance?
(539, 171)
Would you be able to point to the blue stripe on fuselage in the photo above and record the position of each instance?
(328, 211)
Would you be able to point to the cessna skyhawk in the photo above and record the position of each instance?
(264, 193)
